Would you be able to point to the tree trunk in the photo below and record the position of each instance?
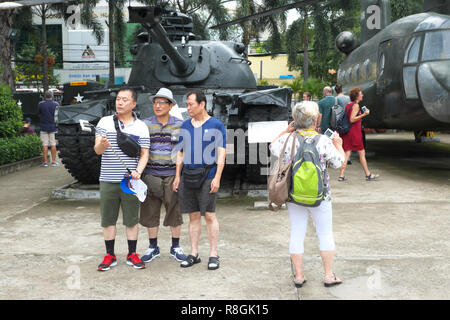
(44, 49)
(246, 36)
(111, 41)
(305, 61)
(305, 49)
(7, 74)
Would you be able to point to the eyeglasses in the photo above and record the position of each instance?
(161, 103)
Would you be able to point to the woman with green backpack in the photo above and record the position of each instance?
(310, 189)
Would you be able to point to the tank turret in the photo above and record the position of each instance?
(173, 56)
(150, 18)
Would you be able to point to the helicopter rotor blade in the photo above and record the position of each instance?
(298, 4)
(27, 3)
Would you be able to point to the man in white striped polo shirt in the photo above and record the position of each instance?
(113, 171)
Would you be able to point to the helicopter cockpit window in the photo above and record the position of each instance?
(381, 65)
(409, 82)
(365, 69)
(341, 76)
(436, 45)
(348, 74)
(412, 52)
(355, 73)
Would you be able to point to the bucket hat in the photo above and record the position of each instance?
(163, 93)
(136, 187)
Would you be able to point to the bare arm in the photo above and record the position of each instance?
(215, 183)
(179, 167)
(319, 121)
(143, 159)
(101, 144)
(355, 110)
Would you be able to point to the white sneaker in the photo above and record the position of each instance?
(55, 164)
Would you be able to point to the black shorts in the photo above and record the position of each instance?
(194, 200)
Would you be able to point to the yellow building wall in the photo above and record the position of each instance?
(272, 69)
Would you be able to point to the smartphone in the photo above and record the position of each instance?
(329, 133)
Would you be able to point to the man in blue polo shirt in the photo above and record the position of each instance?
(47, 111)
(202, 144)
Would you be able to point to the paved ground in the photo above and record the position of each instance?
(391, 235)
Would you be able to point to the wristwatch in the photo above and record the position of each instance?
(137, 170)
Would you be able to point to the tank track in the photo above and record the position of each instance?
(76, 151)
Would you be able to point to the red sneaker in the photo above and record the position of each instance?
(108, 262)
(134, 260)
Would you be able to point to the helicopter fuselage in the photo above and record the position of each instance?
(404, 73)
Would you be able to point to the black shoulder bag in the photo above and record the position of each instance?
(194, 177)
(127, 144)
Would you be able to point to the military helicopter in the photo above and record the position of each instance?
(402, 67)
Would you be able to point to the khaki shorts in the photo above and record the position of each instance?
(160, 192)
(112, 198)
(48, 138)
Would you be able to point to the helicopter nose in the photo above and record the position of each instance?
(434, 88)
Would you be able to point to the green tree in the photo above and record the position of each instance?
(246, 8)
(315, 32)
(403, 8)
(21, 19)
(10, 114)
(296, 85)
(275, 24)
(30, 70)
(11, 21)
(314, 86)
(298, 36)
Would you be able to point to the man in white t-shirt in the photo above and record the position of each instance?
(112, 172)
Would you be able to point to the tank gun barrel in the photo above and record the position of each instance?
(150, 17)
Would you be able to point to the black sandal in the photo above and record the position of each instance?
(372, 176)
(213, 263)
(190, 261)
(330, 282)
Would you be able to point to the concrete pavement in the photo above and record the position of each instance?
(391, 236)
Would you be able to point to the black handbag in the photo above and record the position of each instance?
(127, 144)
(194, 177)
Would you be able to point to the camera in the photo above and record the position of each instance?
(329, 133)
(363, 109)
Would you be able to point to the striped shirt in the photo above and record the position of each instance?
(112, 169)
(163, 138)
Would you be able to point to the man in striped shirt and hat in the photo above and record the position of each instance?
(164, 130)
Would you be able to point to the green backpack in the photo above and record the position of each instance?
(307, 185)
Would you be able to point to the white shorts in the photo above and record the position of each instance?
(48, 138)
(322, 216)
